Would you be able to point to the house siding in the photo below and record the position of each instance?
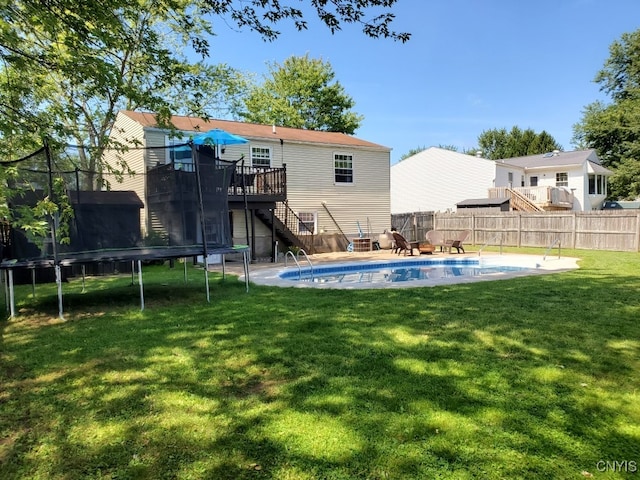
(437, 179)
(311, 182)
(123, 132)
(310, 179)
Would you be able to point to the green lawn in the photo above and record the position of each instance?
(533, 377)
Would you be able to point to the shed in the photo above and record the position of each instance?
(501, 204)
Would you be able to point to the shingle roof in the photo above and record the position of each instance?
(254, 131)
(108, 197)
(483, 202)
(577, 157)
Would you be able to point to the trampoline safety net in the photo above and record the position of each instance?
(52, 213)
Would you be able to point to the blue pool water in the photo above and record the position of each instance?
(394, 272)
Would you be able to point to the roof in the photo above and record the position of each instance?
(483, 202)
(553, 159)
(108, 197)
(597, 168)
(253, 130)
(86, 197)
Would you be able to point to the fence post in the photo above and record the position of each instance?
(574, 233)
(473, 228)
(638, 232)
(519, 229)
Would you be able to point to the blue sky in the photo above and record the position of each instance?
(470, 66)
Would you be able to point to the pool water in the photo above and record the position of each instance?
(390, 272)
(406, 273)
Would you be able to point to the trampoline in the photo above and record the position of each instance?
(188, 209)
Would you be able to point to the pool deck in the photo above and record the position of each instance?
(267, 273)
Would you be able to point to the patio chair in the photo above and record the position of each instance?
(457, 242)
(436, 238)
(402, 245)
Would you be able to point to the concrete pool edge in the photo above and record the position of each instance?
(535, 265)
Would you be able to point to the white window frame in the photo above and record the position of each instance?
(562, 179)
(258, 153)
(306, 220)
(343, 157)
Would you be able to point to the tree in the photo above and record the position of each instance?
(68, 66)
(300, 94)
(412, 152)
(497, 144)
(72, 64)
(613, 129)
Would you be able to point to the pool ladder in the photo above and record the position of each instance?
(556, 241)
(295, 259)
(495, 237)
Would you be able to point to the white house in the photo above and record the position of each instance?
(556, 180)
(437, 179)
(333, 182)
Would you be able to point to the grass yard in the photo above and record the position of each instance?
(533, 377)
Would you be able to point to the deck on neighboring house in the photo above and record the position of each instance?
(531, 199)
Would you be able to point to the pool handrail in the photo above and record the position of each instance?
(301, 251)
(557, 240)
(295, 259)
(499, 235)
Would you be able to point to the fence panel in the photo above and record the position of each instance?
(598, 230)
(413, 226)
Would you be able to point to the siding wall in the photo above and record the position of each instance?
(310, 183)
(437, 179)
(124, 130)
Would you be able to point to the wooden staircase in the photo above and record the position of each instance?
(521, 203)
(285, 222)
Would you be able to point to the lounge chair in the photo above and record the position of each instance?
(457, 242)
(436, 238)
(402, 245)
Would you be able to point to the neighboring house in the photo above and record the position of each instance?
(442, 180)
(437, 179)
(553, 181)
(304, 188)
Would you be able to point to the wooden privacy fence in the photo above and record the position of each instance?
(413, 226)
(597, 230)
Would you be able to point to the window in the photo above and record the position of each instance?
(533, 181)
(260, 157)
(510, 179)
(180, 156)
(562, 179)
(306, 223)
(343, 166)
(522, 180)
(597, 184)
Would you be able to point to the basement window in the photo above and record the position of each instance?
(306, 223)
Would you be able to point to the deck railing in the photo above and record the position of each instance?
(542, 196)
(175, 179)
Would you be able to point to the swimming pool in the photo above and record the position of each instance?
(399, 273)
